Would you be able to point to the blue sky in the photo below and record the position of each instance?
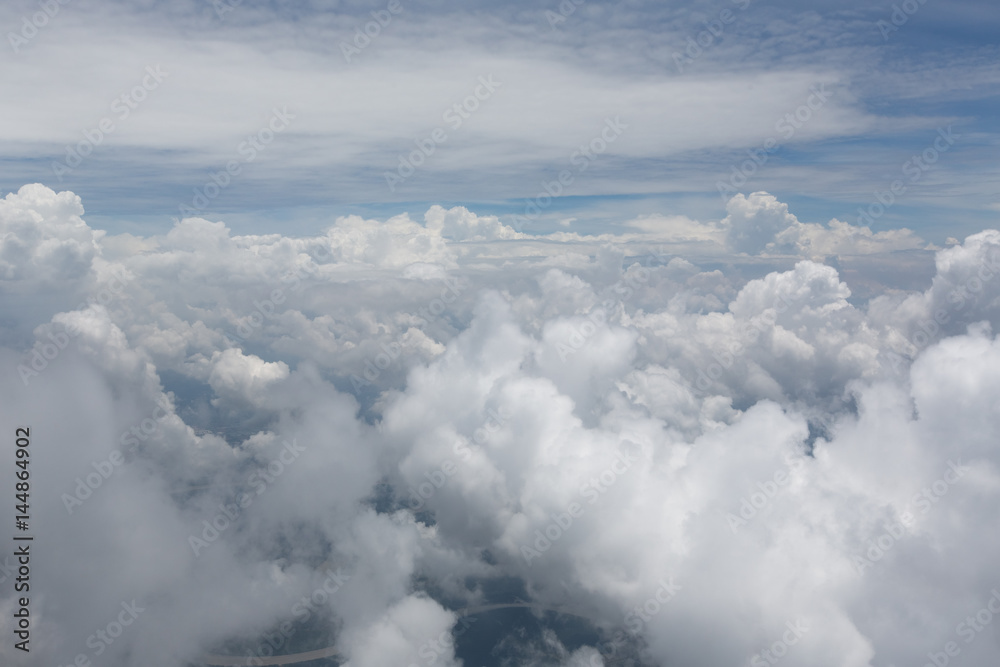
(561, 75)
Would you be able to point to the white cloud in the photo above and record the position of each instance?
(240, 376)
(573, 430)
(760, 223)
(43, 238)
(398, 637)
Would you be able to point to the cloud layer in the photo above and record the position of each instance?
(694, 438)
(272, 111)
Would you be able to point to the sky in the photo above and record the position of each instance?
(564, 334)
(691, 111)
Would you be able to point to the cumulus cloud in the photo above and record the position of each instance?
(44, 238)
(242, 376)
(760, 223)
(364, 441)
(461, 224)
(754, 221)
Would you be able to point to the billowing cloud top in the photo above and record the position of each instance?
(737, 441)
